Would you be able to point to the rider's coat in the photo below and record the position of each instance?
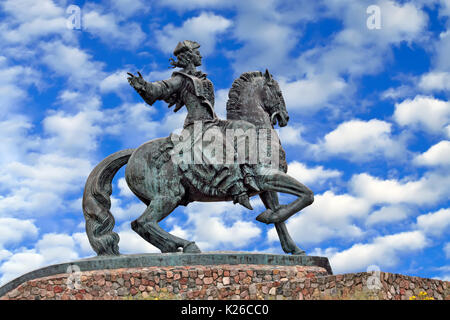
(196, 92)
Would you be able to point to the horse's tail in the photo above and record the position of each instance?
(97, 202)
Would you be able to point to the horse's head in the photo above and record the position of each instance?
(273, 101)
(256, 98)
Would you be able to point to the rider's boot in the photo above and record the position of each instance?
(249, 179)
(240, 195)
(243, 200)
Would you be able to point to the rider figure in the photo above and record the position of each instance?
(190, 87)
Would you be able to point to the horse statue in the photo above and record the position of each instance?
(157, 176)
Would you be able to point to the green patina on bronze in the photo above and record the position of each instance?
(255, 104)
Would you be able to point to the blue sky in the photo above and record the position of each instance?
(369, 130)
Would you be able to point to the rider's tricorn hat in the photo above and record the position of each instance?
(185, 46)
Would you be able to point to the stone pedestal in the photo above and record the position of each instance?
(181, 282)
(158, 265)
(218, 275)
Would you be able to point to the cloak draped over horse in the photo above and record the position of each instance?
(255, 103)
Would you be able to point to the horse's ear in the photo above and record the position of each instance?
(267, 75)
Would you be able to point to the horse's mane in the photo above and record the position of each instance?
(233, 96)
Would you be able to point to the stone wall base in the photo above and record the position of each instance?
(227, 282)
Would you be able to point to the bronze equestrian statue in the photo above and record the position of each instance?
(157, 176)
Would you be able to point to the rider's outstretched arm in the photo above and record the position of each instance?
(158, 90)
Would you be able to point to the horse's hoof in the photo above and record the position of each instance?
(191, 248)
(281, 214)
(298, 252)
(265, 216)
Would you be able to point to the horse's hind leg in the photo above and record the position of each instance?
(270, 200)
(147, 226)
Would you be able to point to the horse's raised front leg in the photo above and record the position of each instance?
(270, 200)
(147, 226)
(280, 182)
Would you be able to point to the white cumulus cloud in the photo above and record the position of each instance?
(427, 190)
(383, 251)
(435, 80)
(435, 223)
(424, 112)
(13, 231)
(312, 93)
(50, 249)
(388, 214)
(362, 140)
(109, 28)
(437, 155)
(203, 29)
(316, 175)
